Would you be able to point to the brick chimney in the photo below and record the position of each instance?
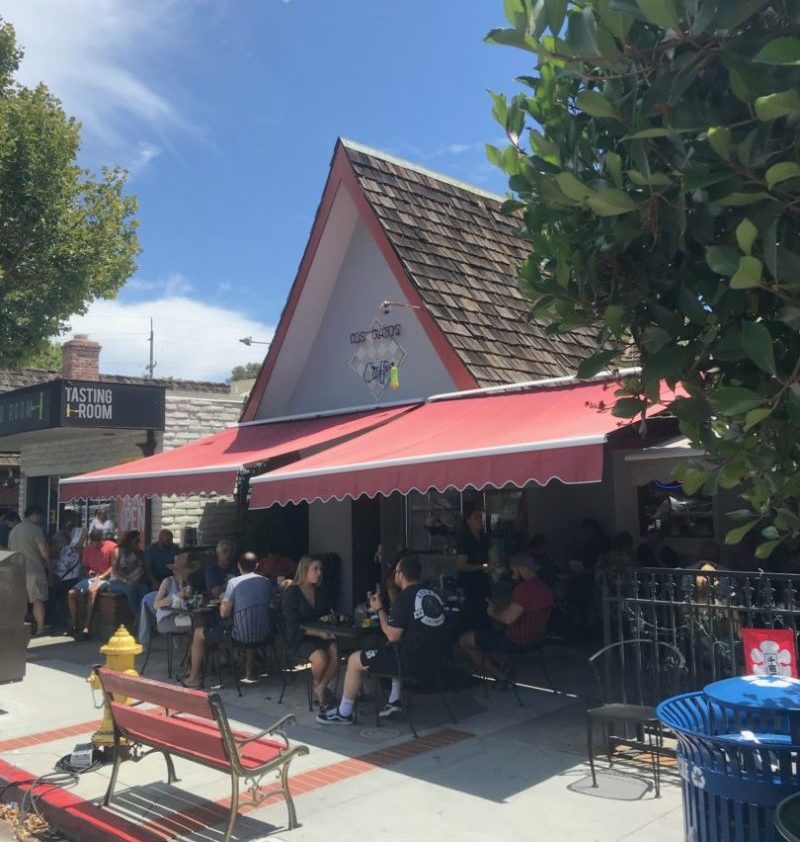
(80, 358)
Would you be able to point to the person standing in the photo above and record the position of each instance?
(65, 572)
(472, 553)
(28, 538)
(102, 523)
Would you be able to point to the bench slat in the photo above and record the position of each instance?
(158, 693)
(196, 737)
(171, 733)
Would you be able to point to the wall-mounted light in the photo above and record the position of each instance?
(386, 306)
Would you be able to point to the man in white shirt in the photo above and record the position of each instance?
(27, 538)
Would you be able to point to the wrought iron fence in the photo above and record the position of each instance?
(699, 612)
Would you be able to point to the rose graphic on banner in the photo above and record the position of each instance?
(770, 652)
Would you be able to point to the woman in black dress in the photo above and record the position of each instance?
(302, 603)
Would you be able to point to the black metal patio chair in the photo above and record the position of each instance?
(512, 663)
(171, 638)
(249, 632)
(633, 676)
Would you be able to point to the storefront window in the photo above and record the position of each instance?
(664, 505)
(432, 520)
(506, 519)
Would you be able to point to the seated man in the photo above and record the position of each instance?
(158, 557)
(418, 620)
(99, 556)
(218, 572)
(275, 565)
(524, 619)
(246, 602)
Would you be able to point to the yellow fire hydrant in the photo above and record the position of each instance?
(120, 652)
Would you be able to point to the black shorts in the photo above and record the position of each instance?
(382, 660)
(307, 646)
(495, 642)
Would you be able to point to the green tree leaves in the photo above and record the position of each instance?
(661, 198)
(663, 13)
(780, 51)
(594, 104)
(781, 172)
(748, 274)
(67, 236)
(773, 106)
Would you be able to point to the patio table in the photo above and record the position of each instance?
(348, 637)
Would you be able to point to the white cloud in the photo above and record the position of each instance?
(144, 155)
(176, 286)
(91, 54)
(457, 148)
(193, 341)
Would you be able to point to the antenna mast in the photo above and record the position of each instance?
(152, 364)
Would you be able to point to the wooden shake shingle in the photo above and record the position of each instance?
(461, 253)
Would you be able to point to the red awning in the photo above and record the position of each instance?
(492, 440)
(212, 463)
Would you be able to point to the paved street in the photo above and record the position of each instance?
(500, 772)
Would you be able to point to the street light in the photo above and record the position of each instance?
(248, 340)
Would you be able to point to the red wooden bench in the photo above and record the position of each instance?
(193, 724)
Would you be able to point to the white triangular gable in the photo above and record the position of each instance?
(339, 343)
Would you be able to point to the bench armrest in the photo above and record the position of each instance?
(277, 729)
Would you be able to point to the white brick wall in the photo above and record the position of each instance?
(189, 418)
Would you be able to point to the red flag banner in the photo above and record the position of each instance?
(770, 652)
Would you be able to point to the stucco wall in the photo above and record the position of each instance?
(327, 380)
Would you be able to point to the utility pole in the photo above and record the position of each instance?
(152, 364)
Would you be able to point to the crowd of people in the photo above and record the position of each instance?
(503, 609)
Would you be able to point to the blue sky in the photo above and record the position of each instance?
(226, 113)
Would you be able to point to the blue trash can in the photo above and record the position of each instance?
(738, 755)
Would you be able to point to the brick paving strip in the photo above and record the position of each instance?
(201, 816)
(92, 823)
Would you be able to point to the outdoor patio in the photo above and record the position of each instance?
(502, 772)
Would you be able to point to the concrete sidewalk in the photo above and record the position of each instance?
(502, 772)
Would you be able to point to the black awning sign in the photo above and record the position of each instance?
(76, 403)
(26, 409)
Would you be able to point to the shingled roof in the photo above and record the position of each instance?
(462, 254)
(20, 378)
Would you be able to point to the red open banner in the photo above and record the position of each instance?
(770, 652)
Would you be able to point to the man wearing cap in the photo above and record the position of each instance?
(523, 620)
